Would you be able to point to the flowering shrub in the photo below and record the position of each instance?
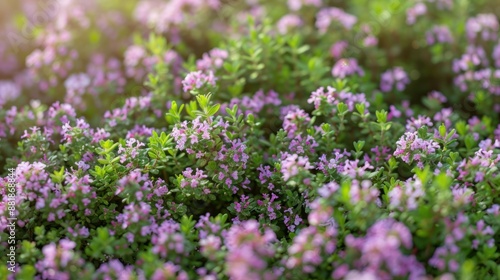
(298, 139)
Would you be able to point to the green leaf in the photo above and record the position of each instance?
(342, 108)
(211, 166)
(214, 109)
(443, 181)
(58, 176)
(94, 37)
(393, 163)
(360, 107)
(469, 141)
(359, 145)
(27, 272)
(461, 127)
(467, 271)
(303, 49)
(250, 118)
(203, 101)
(381, 116)
(442, 130)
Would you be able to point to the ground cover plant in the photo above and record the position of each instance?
(220, 139)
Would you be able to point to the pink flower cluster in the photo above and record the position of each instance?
(248, 250)
(333, 97)
(165, 16)
(419, 9)
(194, 131)
(254, 104)
(288, 22)
(439, 34)
(196, 80)
(309, 246)
(484, 26)
(394, 79)
(212, 60)
(411, 147)
(58, 259)
(380, 252)
(346, 67)
(8, 91)
(291, 165)
(296, 5)
(326, 16)
(407, 196)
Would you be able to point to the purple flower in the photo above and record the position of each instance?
(436, 95)
(196, 80)
(137, 62)
(357, 275)
(296, 5)
(165, 17)
(320, 95)
(346, 67)
(496, 55)
(8, 91)
(474, 56)
(443, 5)
(169, 271)
(363, 191)
(439, 34)
(169, 244)
(57, 259)
(380, 251)
(395, 78)
(248, 251)
(483, 25)
(288, 22)
(293, 164)
(407, 196)
(411, 147)
(115, 269)
(338, 48)
(370, 41)
(494, 210)
(212, 60)
(327, 15)
(309, 248)
(254, 104)
(412, 13)
(192, 180)
(294, 120)
(414, 124)
(320, 214)
(77, 83)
